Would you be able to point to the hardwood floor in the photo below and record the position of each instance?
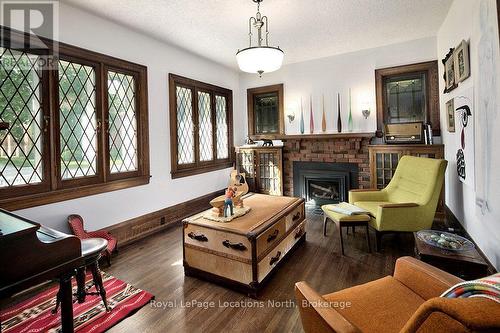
(155, 264)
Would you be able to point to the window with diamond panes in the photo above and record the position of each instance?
(77, 120)
(122, 123)
(93, 106)
(201, 116)
(205, 126)
(185, 126)
(221, 125)
(21, 144)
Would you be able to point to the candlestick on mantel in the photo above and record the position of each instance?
(349, 119)
(339, 118)
(311, 117)
(323, 121)
(301, 117)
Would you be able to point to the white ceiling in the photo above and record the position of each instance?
(305, 30)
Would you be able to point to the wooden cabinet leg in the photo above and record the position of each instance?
(66, 304)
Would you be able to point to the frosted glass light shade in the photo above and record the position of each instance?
(260, 59)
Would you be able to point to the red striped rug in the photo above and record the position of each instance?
(34, 314)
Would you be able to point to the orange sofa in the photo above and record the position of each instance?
(406, 302)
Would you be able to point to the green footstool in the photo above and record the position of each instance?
(343, 221)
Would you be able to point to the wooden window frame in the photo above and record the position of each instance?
(430, 68)
(198, 167)
(276, 88)
(55, 189)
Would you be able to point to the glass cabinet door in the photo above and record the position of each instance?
(269, 172)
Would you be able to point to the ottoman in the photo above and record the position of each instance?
(343, 220)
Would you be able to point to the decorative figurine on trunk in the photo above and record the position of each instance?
(228, 201)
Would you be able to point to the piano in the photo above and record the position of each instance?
(31, 253)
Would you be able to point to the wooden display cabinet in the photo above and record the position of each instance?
(263, 167)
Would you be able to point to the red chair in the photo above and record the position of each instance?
(76, 225)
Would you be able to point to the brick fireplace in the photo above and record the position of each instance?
(341, 148)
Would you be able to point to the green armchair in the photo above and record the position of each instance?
(409, 201)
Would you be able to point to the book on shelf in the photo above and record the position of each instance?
(347, 209)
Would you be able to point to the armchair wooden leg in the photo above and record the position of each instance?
(325, 220)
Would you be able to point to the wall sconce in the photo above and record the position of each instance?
(366, 113)
(291, 117)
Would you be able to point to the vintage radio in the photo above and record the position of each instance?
(404, 133)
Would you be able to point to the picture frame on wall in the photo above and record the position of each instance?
(461, 61)
(450, 112)
(449, 71)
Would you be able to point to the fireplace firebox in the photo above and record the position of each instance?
(321, 183)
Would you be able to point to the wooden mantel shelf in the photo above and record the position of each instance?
(345, 135)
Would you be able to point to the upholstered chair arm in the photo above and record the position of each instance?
(316, 313)
(455, 315)
(367, 195)
(402, 217)
(425, 280)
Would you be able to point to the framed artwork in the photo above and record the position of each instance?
(450, 111)
(461, 61)
(449, 72)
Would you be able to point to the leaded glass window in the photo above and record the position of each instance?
(21, 153)
(122, 122)
(82, 122)
(205, 128)
(406, 98)
(201, 116)
(78, 120)
(221, 124)
(185, 126)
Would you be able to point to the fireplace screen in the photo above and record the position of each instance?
(321, 183)
(323, 191)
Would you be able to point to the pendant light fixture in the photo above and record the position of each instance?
(261, 58)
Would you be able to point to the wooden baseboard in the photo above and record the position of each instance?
(455, 223)
(137, 228)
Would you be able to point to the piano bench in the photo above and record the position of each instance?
(91, 253)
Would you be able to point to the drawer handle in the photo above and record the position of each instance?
(273, 236)
(201, 238)
(296, 216)
(275, 258)
(299, 232)
(234, 246)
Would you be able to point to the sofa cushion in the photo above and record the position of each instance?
(383, 305)
(371, 206)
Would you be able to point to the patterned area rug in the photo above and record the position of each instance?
(34, 314)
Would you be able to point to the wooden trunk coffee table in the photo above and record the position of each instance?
(243, 253)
